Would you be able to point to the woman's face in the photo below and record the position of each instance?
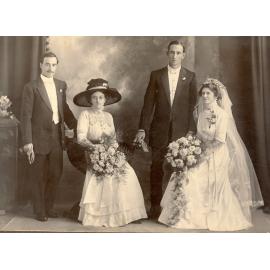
(98, 100)
(208, 96)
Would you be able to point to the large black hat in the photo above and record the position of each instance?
(111, 94)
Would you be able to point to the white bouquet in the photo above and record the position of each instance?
(106, 158)
(184, 153)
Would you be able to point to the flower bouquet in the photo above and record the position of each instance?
(106, 159)
(5, 103)
(182, 154)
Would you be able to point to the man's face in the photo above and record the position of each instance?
(175, 56)
(48, 67)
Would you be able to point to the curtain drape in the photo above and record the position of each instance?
(261, 95)
(19, 63)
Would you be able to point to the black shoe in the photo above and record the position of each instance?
(41, 218)
(52, 214)
(266, 209)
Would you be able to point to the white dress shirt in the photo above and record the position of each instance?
(173, 74)
(51, 91)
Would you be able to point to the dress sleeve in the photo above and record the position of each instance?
(221, 127)
(82, 126)
(111, 123)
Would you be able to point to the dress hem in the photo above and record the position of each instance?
(112, 220)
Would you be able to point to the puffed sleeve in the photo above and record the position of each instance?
(82, 126)
(221, 126)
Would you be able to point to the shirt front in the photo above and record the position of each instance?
(51, 92)
(173, 74)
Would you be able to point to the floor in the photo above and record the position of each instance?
(23, 221)
(70, 191)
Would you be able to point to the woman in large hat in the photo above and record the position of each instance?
(111, 195)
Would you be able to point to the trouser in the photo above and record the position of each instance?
(45, 174)
(157, 171)
(156, 176)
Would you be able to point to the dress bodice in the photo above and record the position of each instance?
(217, 130)
(94, 124)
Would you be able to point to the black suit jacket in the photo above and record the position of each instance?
(158, 114)
(36, 115)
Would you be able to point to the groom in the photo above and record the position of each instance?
(170, 97)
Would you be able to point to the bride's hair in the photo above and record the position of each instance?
(211, 86)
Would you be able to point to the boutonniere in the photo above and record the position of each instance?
(184, 78)
(60, 90)
(212, 119)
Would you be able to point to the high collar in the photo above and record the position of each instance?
(174, 70)
(211, 106)
(96, 111)
(46, 79)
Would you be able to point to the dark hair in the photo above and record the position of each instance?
(176, 42)
(212, 87)
(48, 54)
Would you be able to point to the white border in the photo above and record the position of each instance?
(134, 251)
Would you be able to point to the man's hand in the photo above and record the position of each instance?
(140, 136)
(139, 140)
(29, 150)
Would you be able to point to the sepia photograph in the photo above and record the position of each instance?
(134, 135)
(144, 134)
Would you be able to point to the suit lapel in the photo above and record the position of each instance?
(181, 80)
(165, 82)
(59, 93)
(43, 93)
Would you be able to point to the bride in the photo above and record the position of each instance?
(219, 192)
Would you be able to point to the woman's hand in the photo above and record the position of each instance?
(87, 144)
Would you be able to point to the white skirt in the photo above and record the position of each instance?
(111, 201)
(210, 201)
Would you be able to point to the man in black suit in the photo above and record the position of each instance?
(170, 97)
(43, 113)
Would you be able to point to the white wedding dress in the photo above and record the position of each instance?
(111, 201)
(211, 202)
